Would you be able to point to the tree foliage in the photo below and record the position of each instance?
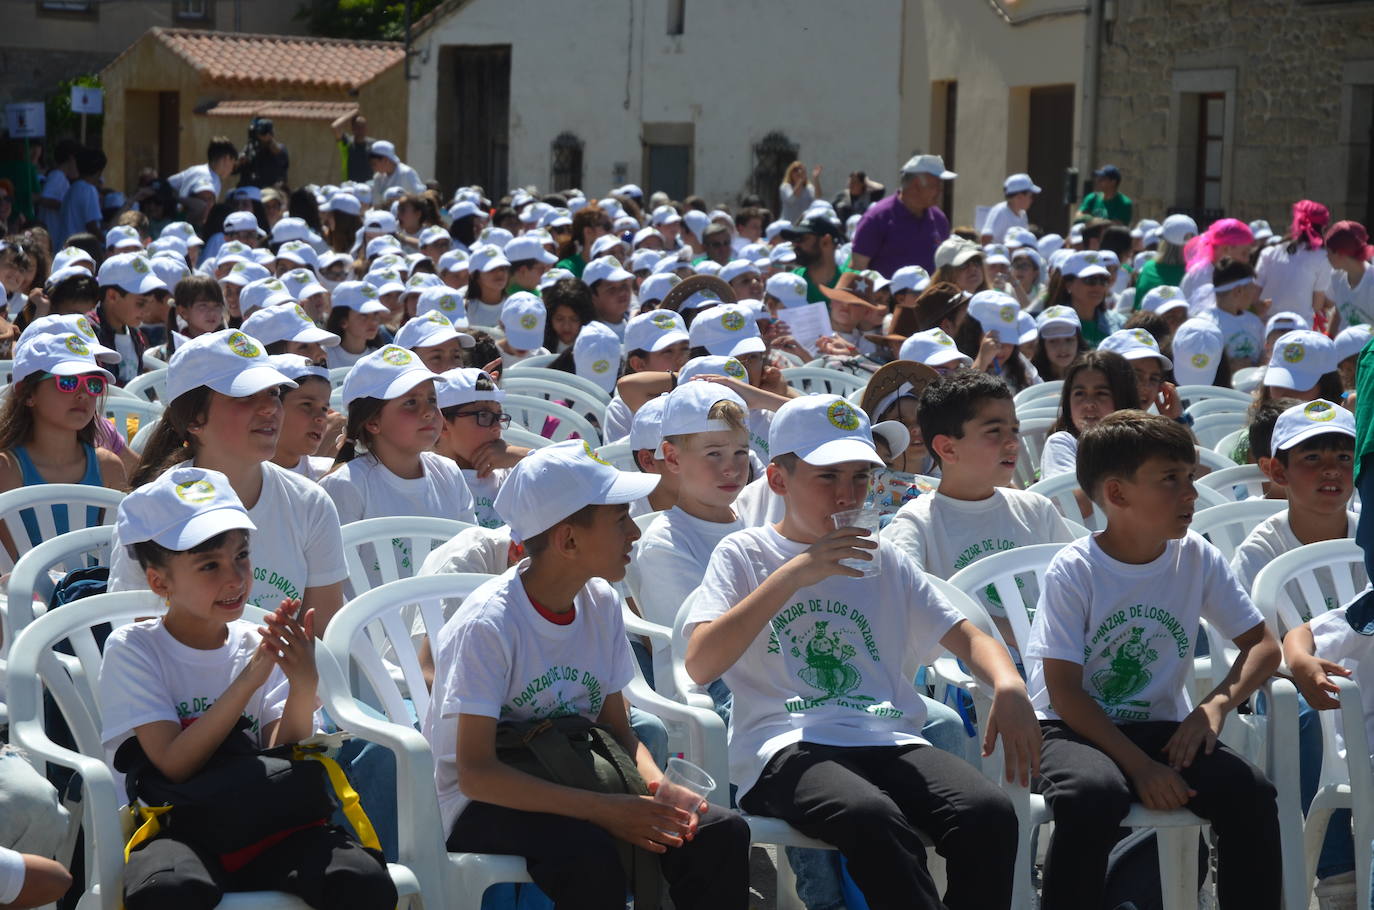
(61, 121)
(362, 19)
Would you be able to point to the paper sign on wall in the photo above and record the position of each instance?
(24, 119)
(87, 100)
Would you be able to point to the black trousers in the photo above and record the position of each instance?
(324, 866)
(873, 803)
(1090, 795)
(577, 864)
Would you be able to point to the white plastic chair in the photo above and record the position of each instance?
(545, 381)
(1227, 525)
(537, 362)
(1346, 781)
(1210, 428)
(575, 398)
(155, 358)
(620, 455)
(1213, 460)
(1205, 406)
(150, 386)
(140, 440)
(1227, 444)
(1036, 410)
(519, 436)
(130, 414)
(32, 581)
(380, 550)
(114, 391)
(531, 413)
(1196, 393)
(823, 380)
(1247, 379)
(73, 683)
(1034, 431)
(6, 372)
(1060, 489)
(1237, 479)
(356, 634)
(1039, 392)
(40, 499)
(337, 375)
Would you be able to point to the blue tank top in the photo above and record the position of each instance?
(31, 477)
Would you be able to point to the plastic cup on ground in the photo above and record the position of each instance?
(684, 786)
(869, 520)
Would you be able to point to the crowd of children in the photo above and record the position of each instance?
(351, 363)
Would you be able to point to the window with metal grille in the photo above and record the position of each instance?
(772, 154)
(565, 155)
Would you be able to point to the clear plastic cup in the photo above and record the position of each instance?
(868, 519)
(684, 786)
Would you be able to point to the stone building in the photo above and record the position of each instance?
(1236, 107)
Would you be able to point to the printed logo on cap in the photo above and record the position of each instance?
(1058, 312)
(732, 321)
(368, 291)
(448, 303)
(529, 321)
(601, 366)
(239, 267)
(195, 491)
(1091, 258)
(77, 346)
(1294, 352)
(84, 327)
(842, 416)
(1319, 412)
(1166, 293)
(1201, 360)
(734, 369)
(591, 453)
(1008, 313)
(663, 320)
(397, 357)
(274, 284)
(300, 311)
(139, 264)
(242, 345)
(437, 318)
(942, 339)
(1144, 338)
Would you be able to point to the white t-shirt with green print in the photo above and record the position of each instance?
(1133, 627)
(1272, 538)
(835, 664)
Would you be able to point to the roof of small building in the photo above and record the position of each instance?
(282, 110)
(236, 58)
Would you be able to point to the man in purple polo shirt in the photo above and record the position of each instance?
(904, 229)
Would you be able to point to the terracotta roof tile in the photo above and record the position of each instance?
(298, 60)
(282, 110)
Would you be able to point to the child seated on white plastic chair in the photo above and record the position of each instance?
(1108, 657)
(470, 434)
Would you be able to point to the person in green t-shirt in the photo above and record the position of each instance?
(1106, 201)
(1364, 450)
(814, 241)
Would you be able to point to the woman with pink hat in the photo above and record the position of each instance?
(1352, 288)
(1295, 274)
(1223, 239)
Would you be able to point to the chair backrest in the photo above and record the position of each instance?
(381, 550)
(150, 386)
(1050, 390)
(80, 506)
(1002, 572)
(33, 577)
(1036, 410)
(1196, 393)
(1247, 379)
(1213, 460)
(1060, 489)
(130, 414)
(686, 689)
(542, 383)
(155, 357)
(6, 372)
(145, 432)
(1208, 497)
(1227, 444)
(537, 362)
(1210, 428)
(519, 436)
(337, 375)
(1033, 434)
(115, 391)
(531, 413)
(1205, 406)
(1239, 481)
(1228, 524)
(822, 380)
(1290, 587)
(618, 454)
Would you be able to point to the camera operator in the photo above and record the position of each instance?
(264, 161)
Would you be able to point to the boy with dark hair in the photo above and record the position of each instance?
(825, 732)
(1108, 659)
(73, 293)
(545, 640)
(1260, 434)
(127, 282)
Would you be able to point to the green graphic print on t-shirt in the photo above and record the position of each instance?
(827, 646)
(558, 692)
(1129, 647)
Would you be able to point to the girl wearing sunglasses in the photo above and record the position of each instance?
(470, 433)
(48, 423)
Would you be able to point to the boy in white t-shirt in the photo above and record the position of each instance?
(970, 423)
(1110, 650)
(546, 640)
(826, 727)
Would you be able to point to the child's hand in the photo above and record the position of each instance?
(494, 369)
(696, 816)
(771, 381)
(1161, 787)
(835, 346)
(1310, 675)
(1167, 402)
(988, 349)
(496, 454)
(822, 559)
(643, 822)
(334, 424)
(291, 643)
(1199, 730)
(1013, 718)
(749, 393)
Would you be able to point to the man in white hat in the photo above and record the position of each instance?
(906, 228)
(389, 170)
(1020, 192)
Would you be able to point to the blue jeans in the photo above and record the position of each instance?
(1338, 847)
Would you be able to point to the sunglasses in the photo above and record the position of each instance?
(93, 383)
(485, 419)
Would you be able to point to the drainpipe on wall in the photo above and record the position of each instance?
(238, 15)
(1087, 140)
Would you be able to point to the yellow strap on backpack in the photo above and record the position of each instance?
(150, 828)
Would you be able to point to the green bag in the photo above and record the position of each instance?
(575, 752)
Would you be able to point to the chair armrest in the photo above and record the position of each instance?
(705, 733)
(638, 625)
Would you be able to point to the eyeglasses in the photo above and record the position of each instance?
(486, 418)
(93, 383)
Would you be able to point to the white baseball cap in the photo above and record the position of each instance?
(1059, 322)
(783, 254)
(1134, 344)
(430, 329)
(71, 324)
(933, 348)
(302, 283)
(596, 355)
(996, 254)
(290, 228)
(1177, 229)
(243, 272)
(168, 245)
(386, 373)
(264, 292)
(131, 273)
(926, 164)
(1026, 329)
(522, 319)
(299, 252)
(183, 230)
(1312, 418)
(654, 331)
(712, 365)
(385, 281)
(286, 322)
(380, 221)
(434, 234)
(1300, 359)
(707, 267)
(790, 289)
(123, 237)
(71, 256)
(606, 268)
(604, 244)
(445, 300)
(657, 286)
(644, 260)
(343, 202)
(1163, 298)
(528, 246)
(381, 246)
(726, 330)
(688, 407)
(1019, 183)
(495, 236)
(1197, 348)
(1049, 243)
(359, 296)
(895, 434)
(737, 267)
(1019, 237)
(228, 361)
(995, 310)
(383, 148)
(486, 257)
(909, 278)
(696, 221)
(454, 260)
(665, 214)
(646, 429)
(296, 367)
(57, 276)
(1084, 264)
(180, 509)
(459, 386)
(955, 251)
(1285, 322)
(67, 354)
(235, 222)
(559, 480)
(822, 430)
(169, 268)
(1352, 341)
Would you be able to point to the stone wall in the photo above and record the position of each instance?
(1294, 101)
